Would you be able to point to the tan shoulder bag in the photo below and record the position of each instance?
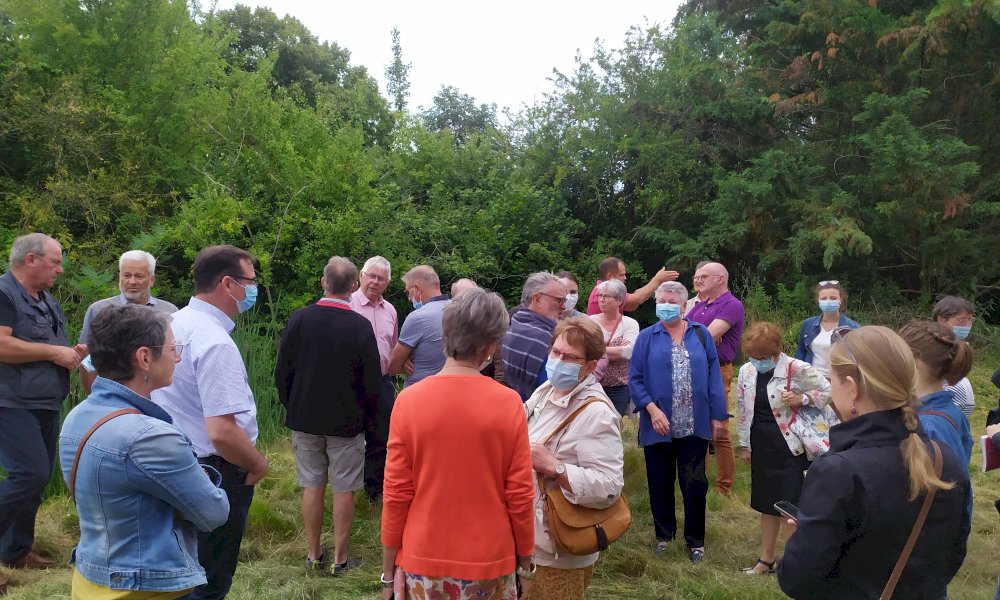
(578, 529)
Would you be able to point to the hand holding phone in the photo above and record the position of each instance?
(788, 509)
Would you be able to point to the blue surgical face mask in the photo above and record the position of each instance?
(249, 299)
(668, 313)
(829, 306)
(763, 366)
(416, 303)
(562, 375)
(961, 331)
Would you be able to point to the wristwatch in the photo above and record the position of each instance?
(560, 469)
(525, 573)
(386, 585)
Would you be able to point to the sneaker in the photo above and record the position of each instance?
(319, 564)
(697, 554)
(338, 569)
(661, 547)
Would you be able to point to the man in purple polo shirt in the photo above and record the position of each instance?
(723, 314)
(614, 268)
(368, 302)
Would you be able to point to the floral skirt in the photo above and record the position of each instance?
(409, 586)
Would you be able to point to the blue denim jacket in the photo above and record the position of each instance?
(140, 494)
(809, 331)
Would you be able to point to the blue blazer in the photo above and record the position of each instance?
(810, 329)
(650, 379)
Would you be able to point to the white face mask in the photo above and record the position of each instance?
(571, 301)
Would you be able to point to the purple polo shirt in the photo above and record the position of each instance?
(385, 324)
(730, 310)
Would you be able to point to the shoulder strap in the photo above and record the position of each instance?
(569, 419)
(943, 415)
(701, 338)
(83, 442)
(917, 526)
(788, 377)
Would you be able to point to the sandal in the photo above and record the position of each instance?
(760, 561)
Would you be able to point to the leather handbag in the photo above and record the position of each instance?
(918, 525)
(576, 529)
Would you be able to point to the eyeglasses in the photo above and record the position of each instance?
(700, 277)
(561, 300)
(839, 336)
(377, 278)
(606, 297)
(244, 278)
(178, 347)
(829, 282)
(960, 321)
(566, 357)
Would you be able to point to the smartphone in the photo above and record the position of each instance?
(788, 509)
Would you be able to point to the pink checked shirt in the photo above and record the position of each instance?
(382, 316)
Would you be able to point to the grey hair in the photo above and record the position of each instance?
(340, 276)
(462, 285)
(30, 243)
(472, 322)
(378, 262)
(673, 287)
(614, 287)
(138, 255)
(422, 274)
(534, 284)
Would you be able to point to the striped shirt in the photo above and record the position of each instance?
(525, 350)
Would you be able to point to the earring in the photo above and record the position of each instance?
(854, 409)
(145, 378)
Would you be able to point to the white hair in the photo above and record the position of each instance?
(613, 287)
(378, 262)
(138, 255)
(534, 284)
(30, 243)
(672, 287)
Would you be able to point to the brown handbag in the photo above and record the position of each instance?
(578, 529)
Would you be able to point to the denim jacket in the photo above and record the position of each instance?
(809, 331)
(140, 494)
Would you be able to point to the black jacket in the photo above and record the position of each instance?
(328, 372)
(855, 516)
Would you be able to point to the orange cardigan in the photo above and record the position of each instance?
(458, 492)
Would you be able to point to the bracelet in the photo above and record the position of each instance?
(385, 584)
(525, 573)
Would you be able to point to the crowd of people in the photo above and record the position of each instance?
(503, 415)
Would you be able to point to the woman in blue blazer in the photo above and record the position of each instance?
(814, 336)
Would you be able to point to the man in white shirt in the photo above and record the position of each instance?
(210, 400)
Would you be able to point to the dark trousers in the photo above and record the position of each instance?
(28, 446)
(219, 550)
(620, 397)
(684, 458)
(376, 440)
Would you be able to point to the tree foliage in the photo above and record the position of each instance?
(793, 141)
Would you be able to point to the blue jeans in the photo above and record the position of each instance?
(27, 452)
(376, 440)
(219, 550)
(620, 397)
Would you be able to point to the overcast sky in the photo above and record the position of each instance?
(501, 52)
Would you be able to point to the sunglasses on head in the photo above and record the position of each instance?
(829, 282)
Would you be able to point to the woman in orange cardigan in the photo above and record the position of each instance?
(457, 516)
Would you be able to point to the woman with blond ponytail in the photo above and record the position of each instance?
(860, 501)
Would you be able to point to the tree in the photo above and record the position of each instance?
(397, 75)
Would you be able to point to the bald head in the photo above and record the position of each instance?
(711, 280)
(462, 285)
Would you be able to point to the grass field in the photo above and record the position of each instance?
(271, 565)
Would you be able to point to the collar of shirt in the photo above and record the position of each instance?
(334, 303)
(122, 300)
(147, 406)
(437, 298)
(363, 300)
(213, 311)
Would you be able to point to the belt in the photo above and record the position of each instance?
(214, 460)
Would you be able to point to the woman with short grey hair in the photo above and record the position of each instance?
(453, 435)
(620, 333)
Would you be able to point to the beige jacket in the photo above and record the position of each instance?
(590, 447)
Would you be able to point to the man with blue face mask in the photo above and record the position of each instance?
(419, 353)
(210, 400)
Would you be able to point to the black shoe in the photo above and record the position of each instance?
(339, 569)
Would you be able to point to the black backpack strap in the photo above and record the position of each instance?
(701, 338)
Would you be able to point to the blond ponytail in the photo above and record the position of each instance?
(917, 459)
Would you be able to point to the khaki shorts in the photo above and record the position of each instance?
(319, 458)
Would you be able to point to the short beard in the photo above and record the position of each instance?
(140, 297)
